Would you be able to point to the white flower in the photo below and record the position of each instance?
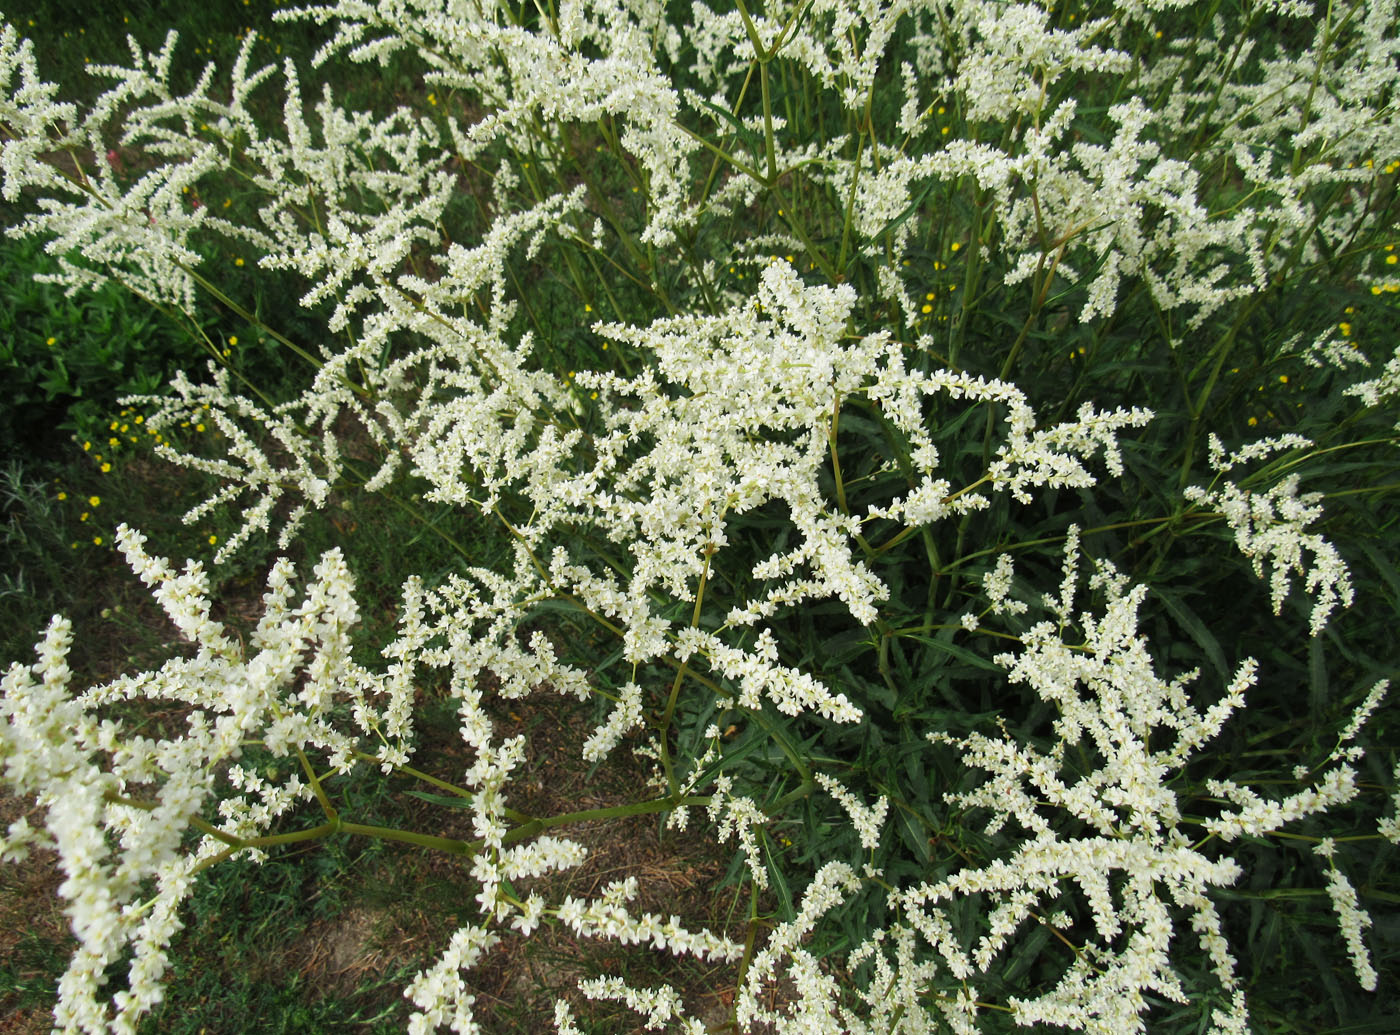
(739, 815)
(868, 821)
(625, 716)
(1354, 920)
(1272, 526)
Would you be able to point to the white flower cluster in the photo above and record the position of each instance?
(1381, 388)
(1272, 526)
(1109, 700)
(140, 236)
(1389, 826)
(661, 1008)
(739, 815)
(816, 1007)
(996, 584)
(440, 993)
(714, 415)
(1135, 853)
(608, 917)
(1101, 825)
(603, 50)
(868, 820)
(1352, 917)
(93, 777)
(625, 716)
(1019, 57)
(32, 107)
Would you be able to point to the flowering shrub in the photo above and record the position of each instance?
(964, 366)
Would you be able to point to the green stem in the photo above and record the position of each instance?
(252, 318)
(848, 219)
(639, 808)
(451, 788)
(316, 788)
(441, 844)
(748, 171)
(769, 144)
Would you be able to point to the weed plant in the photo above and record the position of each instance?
(939, 456)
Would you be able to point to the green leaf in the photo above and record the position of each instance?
(1192, 623)
(745, 134)
(750, 742)
(912, 834)
(960, 653)
(57, 382)
(1323, 964)
(1384, 567)
(1317, 679)
(779, 883)
(1024, 954)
